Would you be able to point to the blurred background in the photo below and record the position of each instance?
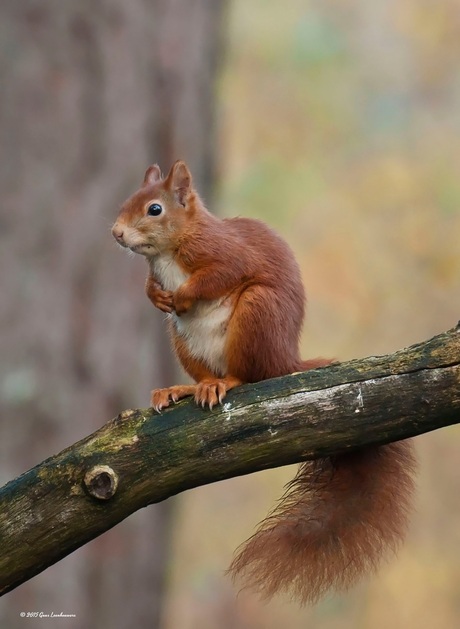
(338, 123)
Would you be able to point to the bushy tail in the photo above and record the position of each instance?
(337, 519)
(314, 363)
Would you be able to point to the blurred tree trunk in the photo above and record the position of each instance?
(92, 92)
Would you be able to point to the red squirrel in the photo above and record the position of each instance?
(235, 302)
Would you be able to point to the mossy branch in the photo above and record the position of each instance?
(141, 457)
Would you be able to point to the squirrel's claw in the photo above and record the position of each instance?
(161, 398)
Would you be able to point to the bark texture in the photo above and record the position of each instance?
(141, 457)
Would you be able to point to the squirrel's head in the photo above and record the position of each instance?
(151, 221)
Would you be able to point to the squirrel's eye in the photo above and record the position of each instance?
(154, 210)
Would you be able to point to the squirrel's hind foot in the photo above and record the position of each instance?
(161, 398)
(208, 392)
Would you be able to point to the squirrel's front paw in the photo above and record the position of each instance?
(182, 303)
(161, 299)
(164, 301)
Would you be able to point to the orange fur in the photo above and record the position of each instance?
(234, 298)
(337, 520)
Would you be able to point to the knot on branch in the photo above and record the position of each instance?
(101, 482)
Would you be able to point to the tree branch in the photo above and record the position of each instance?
(141, 457)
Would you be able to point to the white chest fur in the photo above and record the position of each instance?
(204, 327)
(168, 272)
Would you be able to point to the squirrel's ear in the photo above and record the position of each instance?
(179, 180)
(152, 175)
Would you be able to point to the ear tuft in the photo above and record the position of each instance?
(152, 175)
(180, 181)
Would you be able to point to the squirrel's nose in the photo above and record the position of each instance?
(117, 232)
